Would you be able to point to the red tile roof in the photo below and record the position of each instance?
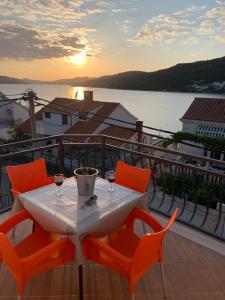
(71, 106)
(206, 109)
(83, 127)
(123, 133)
(90, 125)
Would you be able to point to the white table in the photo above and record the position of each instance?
(65, 214)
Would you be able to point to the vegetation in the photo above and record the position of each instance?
(16, 134)
(194, 187)
(210, 142)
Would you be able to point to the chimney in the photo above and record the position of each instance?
(88, 95)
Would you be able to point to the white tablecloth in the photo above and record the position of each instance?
(65, 214)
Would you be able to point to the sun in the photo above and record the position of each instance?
(79, 59)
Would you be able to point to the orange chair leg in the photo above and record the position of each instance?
(132, 296)
(19, 297)
(163, 279)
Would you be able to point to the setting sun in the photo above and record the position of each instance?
(79, 59)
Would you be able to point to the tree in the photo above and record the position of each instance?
(16, 134)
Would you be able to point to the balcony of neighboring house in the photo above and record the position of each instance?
(194, 248)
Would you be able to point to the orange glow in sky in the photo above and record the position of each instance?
(91, 38)
(79, 59)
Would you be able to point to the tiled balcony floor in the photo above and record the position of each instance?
(193, 272)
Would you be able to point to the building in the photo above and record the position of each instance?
(11, 114)
(70, 116)
(205, 116)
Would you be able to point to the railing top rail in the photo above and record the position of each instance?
(157, 148)
(31, 141)
(12, 154)
(172, 162)
(82, 135)
(106, 137)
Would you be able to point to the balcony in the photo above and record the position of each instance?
(193, 269)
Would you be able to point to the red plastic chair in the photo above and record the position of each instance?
(125, 252)
(132, 177)
(33, 255)
(29, 176)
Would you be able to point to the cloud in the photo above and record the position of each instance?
(190, 41)
(183, 25)
(161, 27)
(221, 38)
(21, 42)
(118, 10)
(220, 2)
(43, 29)
(125, 26)
(94, 11)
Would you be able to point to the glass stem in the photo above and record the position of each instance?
(59, 190)
(111, 186)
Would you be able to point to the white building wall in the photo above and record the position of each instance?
(119, 113)
(20, 114)
(10, 115)
(12, 112)
(191, 127)
(55, 119)
(53, 125)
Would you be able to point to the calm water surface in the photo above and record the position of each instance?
(157, 109)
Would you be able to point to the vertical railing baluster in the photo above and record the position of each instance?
(78, 150)
(221, 198)
(103, 155)
(61, 154)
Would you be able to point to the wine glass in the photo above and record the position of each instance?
(110, 175)
(59, 178)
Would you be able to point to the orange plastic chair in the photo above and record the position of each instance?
(125, 252)
(132, 177)
(29, 176)
(33, 255)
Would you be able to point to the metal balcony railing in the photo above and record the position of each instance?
(179, 179)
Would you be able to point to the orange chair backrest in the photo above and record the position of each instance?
(149, 249)
(9, 256)
(132, 177)
(28, 176)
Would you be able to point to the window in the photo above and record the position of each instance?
(47, 115)
(211, 130)
(64, 119)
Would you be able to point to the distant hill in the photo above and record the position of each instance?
(5, 80)
(202, 76)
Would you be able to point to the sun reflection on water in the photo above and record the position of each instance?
(79, 93)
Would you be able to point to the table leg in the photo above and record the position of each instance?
(81, 290)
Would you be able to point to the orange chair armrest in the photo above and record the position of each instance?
(145, 217)
(15, 193)
(37, 257)
(14, 220)
(51, 179)
(103, 247)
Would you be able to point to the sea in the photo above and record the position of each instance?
(161, 110)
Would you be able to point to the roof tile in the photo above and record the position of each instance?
(206, 109)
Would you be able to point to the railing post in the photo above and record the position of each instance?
(139, 128)
(61, 155)
(103, 155)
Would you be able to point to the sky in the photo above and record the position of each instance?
(55, 39)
